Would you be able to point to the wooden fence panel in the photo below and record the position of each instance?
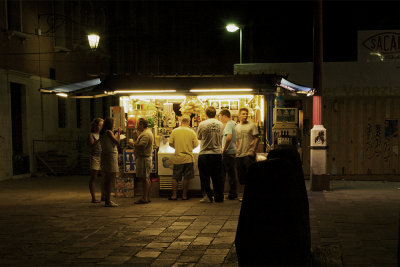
(360, 119)
(395, 139)
(359, 136)
(359, 139)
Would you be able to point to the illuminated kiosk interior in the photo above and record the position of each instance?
(163, 107)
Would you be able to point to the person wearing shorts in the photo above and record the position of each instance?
(143, 148)
(183, 139)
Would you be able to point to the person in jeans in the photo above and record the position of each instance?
(143, 146)
(109, 157)
(229, 152)
(95, 158)
(246, 145)
(210, 159)
(183, 140)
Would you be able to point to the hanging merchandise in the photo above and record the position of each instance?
(131, 123)
(169, 115)
(150, 117)
(192, 105)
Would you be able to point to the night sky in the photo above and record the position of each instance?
(282, 31)
(190, 36)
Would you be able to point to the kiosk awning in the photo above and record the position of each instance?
(187, 84)
(163, 84)
(295, 87)
(82, 89)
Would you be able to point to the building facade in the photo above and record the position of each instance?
(43, 44)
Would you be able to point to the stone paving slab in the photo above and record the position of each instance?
(50, 221)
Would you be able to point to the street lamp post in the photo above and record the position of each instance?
(234, 28)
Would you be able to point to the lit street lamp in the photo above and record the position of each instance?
(234, 28)
(93, 41)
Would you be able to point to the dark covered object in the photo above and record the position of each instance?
(274, 228)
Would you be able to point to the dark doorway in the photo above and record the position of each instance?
(18, 122)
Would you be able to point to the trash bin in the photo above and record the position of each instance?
(273, 227)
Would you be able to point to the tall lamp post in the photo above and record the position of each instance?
(234, 28)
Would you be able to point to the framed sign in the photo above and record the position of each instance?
(286, 115)
(234, 105)
(214, 103)
(224, 104)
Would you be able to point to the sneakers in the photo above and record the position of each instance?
(111, 204)
(206, 200)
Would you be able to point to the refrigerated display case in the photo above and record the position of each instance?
(165, 166)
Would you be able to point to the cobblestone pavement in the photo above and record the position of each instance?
(48, 221)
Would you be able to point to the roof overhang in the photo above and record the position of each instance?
(171, 85)
(187, 85)
(82, 89)
(296, 88)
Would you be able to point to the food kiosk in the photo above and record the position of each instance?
(163, 106)
(163, 99)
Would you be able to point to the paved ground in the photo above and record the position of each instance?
(49, 221)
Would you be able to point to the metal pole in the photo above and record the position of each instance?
(240, 29)
(318, 139)
(318, 54)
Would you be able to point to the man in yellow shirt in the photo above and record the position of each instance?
(183, 139)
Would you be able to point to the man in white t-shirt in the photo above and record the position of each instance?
(210, 159)
(246, 145)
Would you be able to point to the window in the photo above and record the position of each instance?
(91, 109)
(14, 15)
(62, 25)
(62, 112)
(52, 73)
(78, 114)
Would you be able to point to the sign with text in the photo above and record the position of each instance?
(378, 46)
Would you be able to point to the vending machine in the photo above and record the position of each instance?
(285, 130)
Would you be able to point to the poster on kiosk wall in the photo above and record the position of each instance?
(118, 114)
(130, 161)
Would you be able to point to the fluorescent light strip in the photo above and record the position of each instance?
(143, 91)
(221, 90)
(148, 97)
(62, 94)
(229, 97)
